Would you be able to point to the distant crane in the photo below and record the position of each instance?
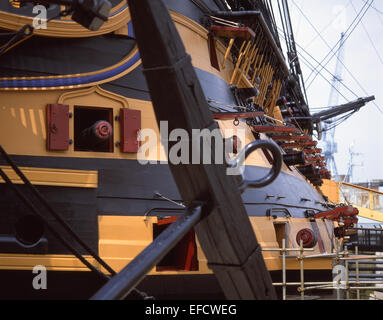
(330, 147)
(351, 164)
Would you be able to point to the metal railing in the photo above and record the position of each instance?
(284, 250)
(361, 197)
(346, 282)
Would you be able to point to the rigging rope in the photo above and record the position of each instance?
(334, 53)
(369, 38)
(347, 35)
(373, 7)
(202, 6)
(311, 67)
(58, 218)
(327, 26)
(324, 40)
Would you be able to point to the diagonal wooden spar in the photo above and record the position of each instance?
(225, 234)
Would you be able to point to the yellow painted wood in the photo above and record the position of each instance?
(371, 200)
(269, 73)
(330, 189)
(263, 86)
(193, 34)
(122, 238)
(63, 28)
(277, 114)
(223, 64)
(113, 67)
(54, 177)
(195, 39)
(370, 213)
(241, 56)
(246, 64)
(272, 100)
(10, 261)
(251, 61)
(257, 66)
(24, 126)
(362, 188)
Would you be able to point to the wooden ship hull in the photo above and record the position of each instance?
(59, 82)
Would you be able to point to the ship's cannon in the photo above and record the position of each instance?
(307, 170)
(96, 134)
(311, 173)
(294, 158)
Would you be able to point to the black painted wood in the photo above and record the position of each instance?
(226, 235)
(65, 56)
(76, 206)
(128, 188)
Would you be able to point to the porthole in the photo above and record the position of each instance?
(29, 230)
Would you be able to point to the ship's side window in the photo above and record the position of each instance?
(93, 129)
(280, 232)
(183, 257)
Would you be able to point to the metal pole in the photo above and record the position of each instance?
(122, 283)
(284, 268)
(320, 256)
(366, 288)
(357, 273)
(351, 282)
(289, 250)
(347, 277)
(302, 288)
(324, 286)
(336, 263)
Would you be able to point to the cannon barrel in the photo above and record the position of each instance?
(294, 158)
(98, 133)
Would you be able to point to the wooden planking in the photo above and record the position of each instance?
(57, 127)
(233, 32)
(226, 235)
(54, 177)
(77, 206)
(237, 115)
(52, 262)
(130, 127)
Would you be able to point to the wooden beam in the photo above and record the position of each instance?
(226, 235)
(233, 32)
(275, 129)
(291, 138)
(237, 115)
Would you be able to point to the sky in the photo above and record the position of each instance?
(363, 57)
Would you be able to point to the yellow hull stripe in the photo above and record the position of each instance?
(66, 28)
(55, 177)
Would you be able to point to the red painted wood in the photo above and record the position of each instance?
(237, 115)
(57, 116)
(185, 251)
(167, 221)
(273, 129)
(233, 32)
(335, 214)
(315, 159)
(291, 138)
(299, 144)
(130, 126)
(312, 151)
